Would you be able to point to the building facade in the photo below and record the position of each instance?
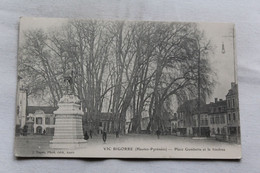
(185, 114)
(212, 119)
(219, 119)
(174, 124)
(233, 117)
(43, 119)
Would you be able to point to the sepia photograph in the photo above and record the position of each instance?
(126, 89)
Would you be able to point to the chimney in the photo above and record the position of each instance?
(216, 100)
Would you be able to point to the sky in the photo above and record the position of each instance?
(217, 33)
(222, 63)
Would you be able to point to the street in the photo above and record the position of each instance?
(27, 145)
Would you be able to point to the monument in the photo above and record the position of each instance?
(68, 131)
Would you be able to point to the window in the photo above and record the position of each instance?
(194, 123)
(223, 131)
(47, 120)
(39, 120)
(233, 101)
(219, 109)
(17, 109)
(222, 119)
(229, 104)
(206, 122)
(229, 117)
(234, 116)
(212, 120)
(217, 119)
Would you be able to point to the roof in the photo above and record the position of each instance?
(207, 108)
(218, 103)
(45, 109)
(232, 91)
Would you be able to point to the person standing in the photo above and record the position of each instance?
(104, 136)
(117, 134)
(86, 137)
(158, 133)
(90, 133)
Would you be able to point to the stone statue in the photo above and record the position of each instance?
(69, 84)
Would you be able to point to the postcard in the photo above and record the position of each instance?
(90, 88)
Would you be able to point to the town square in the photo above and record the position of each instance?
(88, 84)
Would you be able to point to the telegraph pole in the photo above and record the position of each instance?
(235, 67)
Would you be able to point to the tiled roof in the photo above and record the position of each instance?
(233, 90)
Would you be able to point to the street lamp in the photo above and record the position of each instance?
(234, 52)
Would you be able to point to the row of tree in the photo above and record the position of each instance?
(118, 67)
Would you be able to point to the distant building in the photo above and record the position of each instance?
(144, 121)
(185, 114)
(43, 119)
(174, 124)
(218, 117)
(221, 118)
(204, 121)
(233, 118)
(212, 119)
(97, 124)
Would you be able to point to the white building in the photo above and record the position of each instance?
(43, 119)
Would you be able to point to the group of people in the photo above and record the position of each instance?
(86, 136)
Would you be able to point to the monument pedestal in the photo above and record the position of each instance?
(68, 131)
